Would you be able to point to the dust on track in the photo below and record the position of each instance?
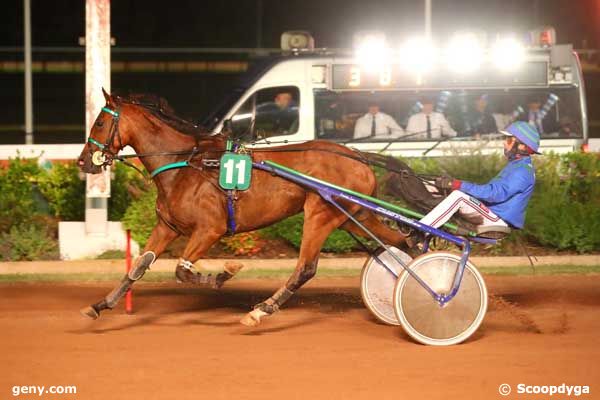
(187, 343)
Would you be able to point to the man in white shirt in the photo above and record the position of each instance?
(427, 124)
(377, 125)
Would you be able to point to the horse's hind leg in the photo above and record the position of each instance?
(370, 221)
(160, 238)
(320, 220)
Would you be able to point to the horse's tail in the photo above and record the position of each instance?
(401, 181)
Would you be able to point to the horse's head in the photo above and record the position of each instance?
(105, 140)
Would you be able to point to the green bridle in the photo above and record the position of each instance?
(105, 156)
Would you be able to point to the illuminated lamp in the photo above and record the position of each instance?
(548, 36)
(371, 50)
(418, 55)
(543, 37)
(508, 54)
(464, 53)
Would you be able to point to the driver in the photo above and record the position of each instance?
(503, 200)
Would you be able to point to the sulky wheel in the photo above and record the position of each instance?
(377, 284)
(423, 318)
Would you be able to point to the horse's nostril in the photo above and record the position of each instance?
(80, 162)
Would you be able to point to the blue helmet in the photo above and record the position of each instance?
(525, 133)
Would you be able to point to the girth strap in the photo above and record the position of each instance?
(231, 225)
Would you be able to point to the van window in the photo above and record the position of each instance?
(431, 115)
(267, 113)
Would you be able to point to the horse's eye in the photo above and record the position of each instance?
(99, 124)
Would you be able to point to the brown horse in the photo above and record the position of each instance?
(191, 203)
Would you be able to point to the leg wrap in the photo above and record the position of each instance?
(113, 297)
(229, 271)
(185, 272)
(273, 303)
(141, 265)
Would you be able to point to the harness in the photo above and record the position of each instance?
(105, 157)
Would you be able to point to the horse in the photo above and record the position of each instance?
(190, 202)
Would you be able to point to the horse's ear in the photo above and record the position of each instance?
(108, 97)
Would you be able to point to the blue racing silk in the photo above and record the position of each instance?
(508, 193)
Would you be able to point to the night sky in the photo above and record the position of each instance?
(228, 23)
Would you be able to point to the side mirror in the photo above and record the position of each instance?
(227, 126)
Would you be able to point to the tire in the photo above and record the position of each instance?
(377, 284)
(423, 318)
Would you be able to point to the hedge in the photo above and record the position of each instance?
(564, 212)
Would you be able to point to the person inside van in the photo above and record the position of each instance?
(376, 124)
(427, 124)
(279, 117)
(481, 120)
(534, 116)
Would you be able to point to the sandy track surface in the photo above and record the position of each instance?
(187, 343)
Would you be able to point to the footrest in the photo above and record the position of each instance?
(493, 231)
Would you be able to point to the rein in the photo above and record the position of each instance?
(106, 156)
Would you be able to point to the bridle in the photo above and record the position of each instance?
(105, 156)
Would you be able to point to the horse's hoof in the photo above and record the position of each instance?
(233, 267)
(253, 318)
(89, 312)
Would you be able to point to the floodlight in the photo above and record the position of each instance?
(418, 55)
(508, 54)
(464, 53)
(372, 52)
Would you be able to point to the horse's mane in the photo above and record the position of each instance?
(161, 109)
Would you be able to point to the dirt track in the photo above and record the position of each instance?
(186, 343)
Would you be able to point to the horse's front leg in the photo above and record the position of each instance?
(160, 238)
(199, 243)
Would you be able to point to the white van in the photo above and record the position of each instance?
(311, 94)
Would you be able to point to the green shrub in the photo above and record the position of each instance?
(290, 229)
(140, 216)
(126, 184)
(18, 201)
(28, 242)
(65, 191)
(111, 255)
(476, 167)
(564, 211)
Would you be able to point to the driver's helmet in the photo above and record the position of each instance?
(525, 133)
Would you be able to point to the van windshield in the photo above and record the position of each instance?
(402, 116)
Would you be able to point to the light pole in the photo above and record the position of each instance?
(28, 75)
(428, 19)
(259, 15)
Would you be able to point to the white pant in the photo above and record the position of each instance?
(463, 203)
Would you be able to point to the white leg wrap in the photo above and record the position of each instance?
(187, 264)
(253, 317)
(141, 265)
